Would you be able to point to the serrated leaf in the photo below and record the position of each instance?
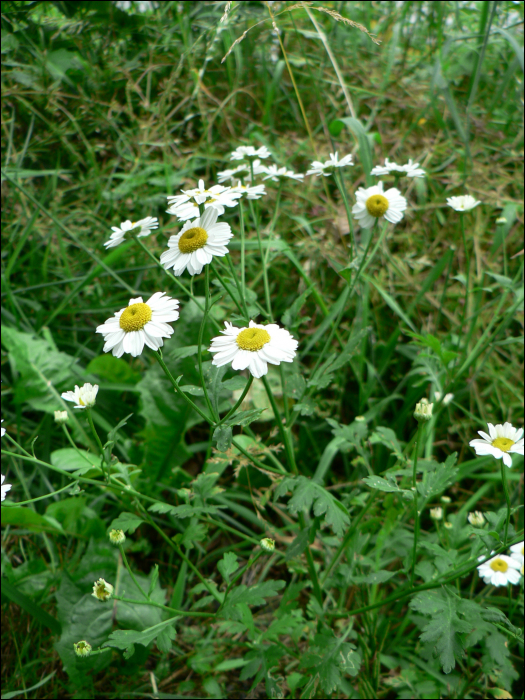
(227, 566)
(254, 595)
(128, 522)
(122, 639)
(307, 494)
(389, 485)
(223, 437)
(374, 578)
(387, 437)
(243, 418)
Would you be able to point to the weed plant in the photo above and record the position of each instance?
(267, 481)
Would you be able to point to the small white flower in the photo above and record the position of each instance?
(328, 167)
(502, 440)
(436, 513)
(196, 243)
(140, 324)
(186, 205)
(250, 192)
(373, 204)
(61, 417)
(243, 172)
(464, 202)
(2, 430)
(517, 552)
(253, 347)
(248, 152)
(102, 590)
(500, 570)
(410, 169)
(83, 397)
(5, 488)
(141, 228)
(276, 174)
(476, 519)
(448, 398)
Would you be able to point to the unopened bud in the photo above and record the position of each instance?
(436, 513)
(423, 411)
(267, 544)
(448, 525)
(117, 537)
(82, 648)
(102, 590)
(61, 417)
(476, 518)
(446, 499)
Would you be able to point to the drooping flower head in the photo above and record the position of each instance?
(500, 570)
(83, 397)
(5, 487)
(186, 205)
(329, 166)
(253, 347)
(464, 202)
(500, 442)
(410, 169)
(141, 228)
(277, 174)
(250, 153)
(372, 204)
(140, 323)
(197, 242)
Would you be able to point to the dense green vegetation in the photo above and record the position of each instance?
(369, 591)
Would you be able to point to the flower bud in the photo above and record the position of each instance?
(446, 499)
(448, 525)
(102, 590)
(82, 648)
(61, 417)
(423, 411)
(117, 537)
(476, 518)
(436, 513)
(448, 398)
(267, 544)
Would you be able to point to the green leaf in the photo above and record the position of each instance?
(227, 566)
(30, 520)
(290, 318)
(253, 595)
(328, 657)
(127, 522)
(323, 376)
(387, 437)
(17, 597)
(373, 578)
(223, 437)
(122, 639)
(307, 493)
(188, 351)
(113, 370)
(243, 418)
(389, 485)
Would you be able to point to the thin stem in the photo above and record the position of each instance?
(507, 498)
(464, 315)
(263, 262)
(243, 253)
(284, 436)
(130, 572)
(416, 514)
(201, 333)
(239, 402)
(342, 189)
(99, 443)
(242, 296)
(179, 390)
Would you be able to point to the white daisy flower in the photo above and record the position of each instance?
(186, 206)
(464, 202)
(500, 570)
(249, 152)
(373, 204)
(328, 167)
(83, 397)
(516, 552)
(196, 243)
(276, 174)
(502, 440)
(253, 347)
(143, 228)
(140, 324)
(242, 171)
(5, 487)
(410, 169)
(250, 192)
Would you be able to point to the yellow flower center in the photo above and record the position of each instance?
(377, 205)
(253, 339)
(503, 444)
(193, 239)
(135, 317)
(499, 565)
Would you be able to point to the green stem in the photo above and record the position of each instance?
(100, 446)
(507, 498)
(264, 269)
(242, 296)
(179, 390)
(200, 337)
(243, 254)
(239, 402)
(130, 572)
(184, 613)
(464, 315)
(416, 514)
(284, 435)
(342, 189)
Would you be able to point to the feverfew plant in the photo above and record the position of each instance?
(257, 497)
